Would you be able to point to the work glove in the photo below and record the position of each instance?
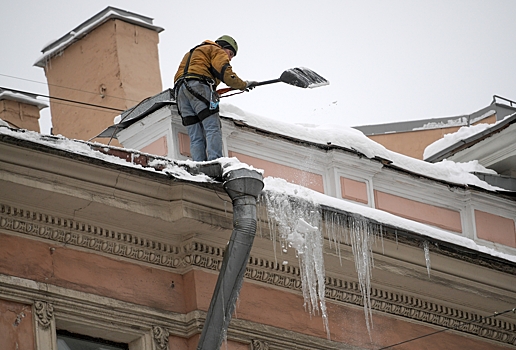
(250, 85)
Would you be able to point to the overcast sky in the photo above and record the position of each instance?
(386, 60)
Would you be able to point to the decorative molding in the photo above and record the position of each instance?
(87, 236)
(258, 269)
(259, 345)
(160, 335)
(44, 313)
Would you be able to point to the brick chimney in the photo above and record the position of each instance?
(20, 109)
(110, 60)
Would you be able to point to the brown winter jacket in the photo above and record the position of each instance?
(211, 61)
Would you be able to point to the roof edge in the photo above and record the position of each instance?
(500, 109)
(468, 142)
(22, 97)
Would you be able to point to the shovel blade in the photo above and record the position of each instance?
(303, 77)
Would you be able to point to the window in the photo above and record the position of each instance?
(72, 341)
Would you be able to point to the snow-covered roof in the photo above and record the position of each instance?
(328, 136)
(464, 137)
(57, 46)
(349, 138)
(179, 170)
(19, 96)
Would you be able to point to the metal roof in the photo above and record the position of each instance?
(140, 111)
(500, 109)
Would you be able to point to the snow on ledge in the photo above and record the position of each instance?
(282, 186)
(177, 169)
(16, 96)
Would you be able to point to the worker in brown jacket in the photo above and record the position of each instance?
(195, 83)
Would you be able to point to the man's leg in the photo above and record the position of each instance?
(197, 142)
(213, 136)
(211, 124)
(188, 105)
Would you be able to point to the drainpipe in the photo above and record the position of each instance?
(243, 187)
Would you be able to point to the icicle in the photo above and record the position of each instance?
(361, 234)
(381, 238)
(361, 243)
(297, 222)
(427, 257)
(334, 232)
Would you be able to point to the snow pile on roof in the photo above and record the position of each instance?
(354, 139)
(19, 97)
(447, 124)
(174, 168)
(454, 138)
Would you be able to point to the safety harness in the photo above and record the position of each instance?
(212, 105)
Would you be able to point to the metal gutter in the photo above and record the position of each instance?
(506, 182)
(243, 187)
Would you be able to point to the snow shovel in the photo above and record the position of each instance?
(301, 77)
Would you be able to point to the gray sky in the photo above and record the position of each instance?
(386, 60)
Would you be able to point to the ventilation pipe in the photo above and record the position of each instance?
(243, 187)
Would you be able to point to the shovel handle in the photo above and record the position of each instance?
(260, 83)
(267, 82)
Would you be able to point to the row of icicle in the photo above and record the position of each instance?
(297, 223)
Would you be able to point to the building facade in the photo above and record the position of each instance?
(122, 246)
(103, 242)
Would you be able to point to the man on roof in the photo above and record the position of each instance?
(195, 83)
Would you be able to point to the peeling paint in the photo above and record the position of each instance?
(19, 318)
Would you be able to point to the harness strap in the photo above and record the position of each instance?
(194, 119)
(205, 113)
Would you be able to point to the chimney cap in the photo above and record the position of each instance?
(57, 46)
(23, 97)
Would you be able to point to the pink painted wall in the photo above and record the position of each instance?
(425, 213)
(494, 228)
(158, 147)
(413, 143)
(293, 175)
(184, 144)
(16, 329)
(354, 190)
(80, 271)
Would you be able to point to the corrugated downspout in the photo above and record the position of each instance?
(243, 186)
